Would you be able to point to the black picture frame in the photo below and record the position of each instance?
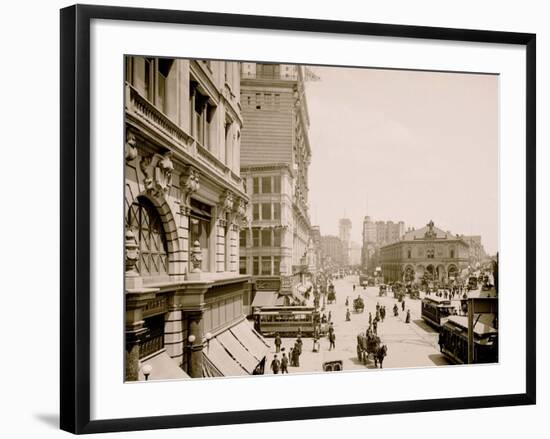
(75, 217)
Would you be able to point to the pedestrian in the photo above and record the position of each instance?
(377, 306)
(292, 357)
(297, 352)
(348, 315)
(408, 318)
(353, 287)
(347, 301)
(277, 343)
(375, 326)
(403, 305)
(332, 340)
(284, 364)
(330, 330)
(370, 318)
(275, 365)
(329, 316)
(395, 310)
(299, 343)
(316, 345)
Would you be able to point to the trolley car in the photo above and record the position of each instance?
(453, 341)
(436, 310)
(288, 321)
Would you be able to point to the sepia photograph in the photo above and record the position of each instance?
(297, 219)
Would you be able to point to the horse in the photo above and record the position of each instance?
(379, 355)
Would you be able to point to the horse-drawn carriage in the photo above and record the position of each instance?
(331, 295)
(369, 347)
(414, 291)
(358, 305)
(398, 291)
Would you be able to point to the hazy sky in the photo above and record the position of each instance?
(401, 145)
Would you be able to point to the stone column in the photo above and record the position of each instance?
(194, 350)
(183, 233)
(173, 332)
(221, 225)
(136, 296)
(135, 331)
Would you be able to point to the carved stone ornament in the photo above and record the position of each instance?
(130, 150)
(430, 233)
(189, 184)
(132, 253)
(227, 201)
(158, 173)
(196, 257)
(239, 213)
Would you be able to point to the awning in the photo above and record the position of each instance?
(251, 339)
(222, 360)
(237, 350)
(163, 368)
(243, 356)
(264, 298)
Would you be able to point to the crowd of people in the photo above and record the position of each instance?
(292, 359)
(283, 359)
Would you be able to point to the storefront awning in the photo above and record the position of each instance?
(237, 350)
(254, 342)
(264, 298)
(222, 360)
(163, 367)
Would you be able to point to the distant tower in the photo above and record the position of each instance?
(344, 233)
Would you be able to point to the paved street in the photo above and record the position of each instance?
(409, 345)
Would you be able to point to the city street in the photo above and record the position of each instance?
(409, 345)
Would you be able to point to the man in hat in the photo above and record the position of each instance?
(277, 343)
(275, 365)
(284, 364)
(332, 340)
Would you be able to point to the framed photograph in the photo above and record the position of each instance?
(272, 218)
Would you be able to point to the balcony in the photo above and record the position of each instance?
(177, 139)
(145, 111)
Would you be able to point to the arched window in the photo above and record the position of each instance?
(144, 220)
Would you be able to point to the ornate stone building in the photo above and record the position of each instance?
(428, 252)
(275, 157)
(185, 204)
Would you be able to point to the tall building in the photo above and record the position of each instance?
(426, 253)
(332, 252)
(185, 204)
(344, 233)
(477, 253)
(375, 235)
(317, 249)
(355, 254)
(275, 158)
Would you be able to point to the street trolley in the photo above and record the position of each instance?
(453, 341)
(436, 310)
(288, 321)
